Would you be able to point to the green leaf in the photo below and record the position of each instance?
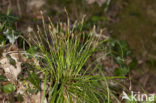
(0, 87)
(122, 48)
(133, 64)
(32, 91)
(119, 48)
(35, 80)
(2, 78)
(9, 88)
(33, 51)
(117, 72)
(8, 19)
(2, 39)
(19, 97)
(123, 71)
(119, 60)
(97, 18)
(11, 60)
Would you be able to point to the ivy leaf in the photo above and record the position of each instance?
(9, 88)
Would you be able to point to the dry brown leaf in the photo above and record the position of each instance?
(37, 98)
(10, 70)
(99, 2)
(36, 3)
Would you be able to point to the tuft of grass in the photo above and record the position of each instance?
(63, 51)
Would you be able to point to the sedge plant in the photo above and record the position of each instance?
(63, 51)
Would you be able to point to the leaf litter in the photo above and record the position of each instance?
(26, 90)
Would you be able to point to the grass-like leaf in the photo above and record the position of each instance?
(65, 51)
